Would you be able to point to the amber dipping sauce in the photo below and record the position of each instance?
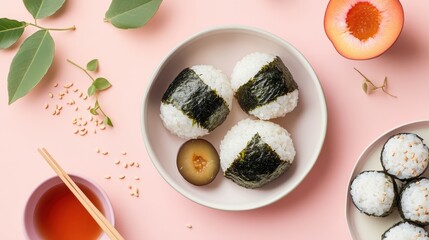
(60, 216)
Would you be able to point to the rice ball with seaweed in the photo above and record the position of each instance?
(196, 102)
(255, 152)
(264, 86)
(414, 201)
(405, 156)
(405, 231)
(374, 193)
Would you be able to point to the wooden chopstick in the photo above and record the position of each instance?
(107, 227)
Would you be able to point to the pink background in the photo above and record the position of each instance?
(315, 210)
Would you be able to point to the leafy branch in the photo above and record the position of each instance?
(368, 86)
(36, 54)
(98, 84)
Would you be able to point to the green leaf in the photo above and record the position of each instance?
(91, 90)
(92, 65)
(10, 31)
(43, 8)
(30, 64)
(108, 121)
(101, 84)
(131, 13)
(93, 111)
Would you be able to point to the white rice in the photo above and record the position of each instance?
(277, 108)
(414, 202)
(239, 135)
(373, 193)
(405, 156)
(406, 231)
(245, 70)
(179, 123)
(248, 67)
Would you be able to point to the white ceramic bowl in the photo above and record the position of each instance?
(29, 225)
(223, 47)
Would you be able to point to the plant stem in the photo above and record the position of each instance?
(52, 29)
(83, 69)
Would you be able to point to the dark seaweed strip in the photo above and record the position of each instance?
(272, 81)
(191, 95)
(399, 223)
(256, 164)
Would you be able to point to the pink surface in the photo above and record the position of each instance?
(128, 59)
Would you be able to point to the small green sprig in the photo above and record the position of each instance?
(98, 85)
(368, 86)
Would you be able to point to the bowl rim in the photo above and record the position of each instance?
(105, 201)
(221, 29)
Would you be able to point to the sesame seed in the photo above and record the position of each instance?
(81, 94)
(51, 95)
(75, 90)
(137, 178)
(189, 226)
(46, 106)
(107, 177)
(102, 127)
(123, 153)
(105, 153)
(86, 97)
(122, 177)
(76, 131)
(117, 162)
(69, 85)
(97, 150)
(76, 108)
(125, 165)
(56, 85)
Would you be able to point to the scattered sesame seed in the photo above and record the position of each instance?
(107, 177)
(105, 153)
(123, 153)
(189, 226)
(56, 85)
(97, 150)
(102, 127)
(117, 162)
(46, 106)
(86, 97)
(76, 108)
(76, 131)
(81, 94)
(88, 108)
(122, 177)
(51, 95)
(131, 164)
(129, 186)
(76, 89)
(125, 165)
(69, 85)
(137, 178)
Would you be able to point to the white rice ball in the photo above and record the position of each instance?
(405, 156)
(245, 70)
(414, 204)
(373, 193)
(405, 231)
(180, 124)
(272, 134)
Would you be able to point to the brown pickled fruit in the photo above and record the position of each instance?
(198, 162)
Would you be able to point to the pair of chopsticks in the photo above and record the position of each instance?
(107, 227)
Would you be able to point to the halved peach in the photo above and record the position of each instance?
(363, 29)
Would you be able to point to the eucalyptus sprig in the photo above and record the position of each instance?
(368, 86)
(35, 55)
(98, 85)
